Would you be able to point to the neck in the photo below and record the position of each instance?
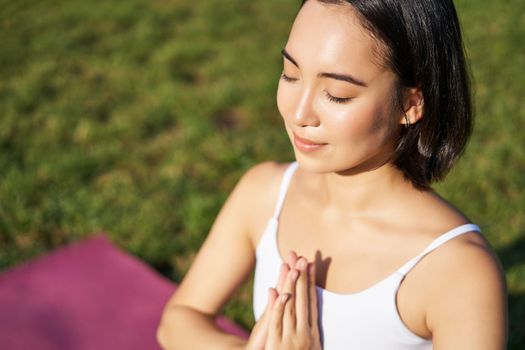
(366, 193)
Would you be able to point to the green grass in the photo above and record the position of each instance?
(137, 119)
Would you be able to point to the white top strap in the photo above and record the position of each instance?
(287, 177)
(436, 243)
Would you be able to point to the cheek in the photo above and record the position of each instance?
(283, 100)
(360, 126)
(288, 97)
(355, 120)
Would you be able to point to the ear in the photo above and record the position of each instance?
(412, 106)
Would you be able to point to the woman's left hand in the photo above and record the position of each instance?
(293, 320)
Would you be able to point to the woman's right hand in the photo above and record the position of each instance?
(259, 334)
(294, 320)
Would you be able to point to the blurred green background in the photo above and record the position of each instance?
(137, 118)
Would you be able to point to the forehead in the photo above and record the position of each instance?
(332, 36)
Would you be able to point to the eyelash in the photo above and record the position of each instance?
(287, 78)
(331, 98)
(336, 99)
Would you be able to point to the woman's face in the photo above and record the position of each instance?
(335, 97)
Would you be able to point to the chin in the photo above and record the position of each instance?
(323, 164)
(316, 165)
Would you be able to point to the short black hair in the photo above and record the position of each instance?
(424, 48)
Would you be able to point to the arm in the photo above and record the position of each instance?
(468, 309)
(221, 266)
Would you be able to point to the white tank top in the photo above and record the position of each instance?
(366, 320)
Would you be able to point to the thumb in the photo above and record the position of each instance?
(260, 331)
(272, 297)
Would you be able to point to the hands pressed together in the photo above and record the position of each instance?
(290, 318)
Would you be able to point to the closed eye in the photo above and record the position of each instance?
(287, 78)
(337, 99)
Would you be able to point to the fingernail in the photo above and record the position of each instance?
(284, 298)
(293, 275)
(301, 264)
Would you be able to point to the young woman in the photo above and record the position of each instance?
(351, 247)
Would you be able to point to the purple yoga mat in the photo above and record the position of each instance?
(87, 296)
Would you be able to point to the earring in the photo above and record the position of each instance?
(407, 122)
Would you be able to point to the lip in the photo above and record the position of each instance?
(306, 145)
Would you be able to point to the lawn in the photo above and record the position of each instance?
(137, 118)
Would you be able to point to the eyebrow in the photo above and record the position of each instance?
(337, 76)
(289, 58)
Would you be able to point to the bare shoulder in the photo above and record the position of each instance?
(467, 280)
(258, 190)
(461, 277)
(259, 181)
(230, 232)
(468, 259)
(466, 262)
(262, 173)
(435, 213)
(467, 256)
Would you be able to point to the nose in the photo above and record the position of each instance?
(305, 114)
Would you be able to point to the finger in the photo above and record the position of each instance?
(285, 268)
(289, 317)
(272, 297)
(312, 296)
(275, 330)
(259, 333)
(292, 258)
(302, 307)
